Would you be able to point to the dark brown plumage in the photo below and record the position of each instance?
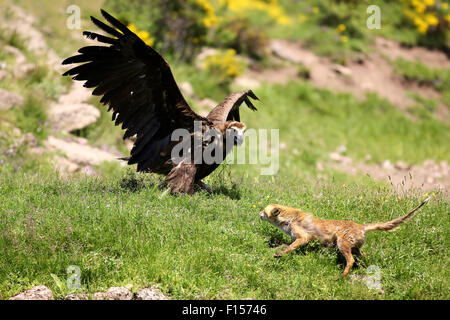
(137, 84)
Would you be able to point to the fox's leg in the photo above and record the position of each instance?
(294, 245)
(346, 249)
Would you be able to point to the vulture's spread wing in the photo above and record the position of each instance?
(138, 85)
(228, 109)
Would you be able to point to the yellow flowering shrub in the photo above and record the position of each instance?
(271, 7)
(428, 16)
(144, 35)
(225, 64)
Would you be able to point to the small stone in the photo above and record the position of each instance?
(339, 157)
(402, 165)
(116, 293)
(35, 293)
(342, 70)
(387, 165)
(150, 293)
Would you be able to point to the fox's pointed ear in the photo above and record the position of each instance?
(274, 212)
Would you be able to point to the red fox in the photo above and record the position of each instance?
(348, 236)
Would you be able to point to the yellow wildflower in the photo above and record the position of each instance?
(431, 19)
(302, 18)
(315, 10)
(447, 17)
(344, 39)
(444, 6)
(341, 27)
(143, 35)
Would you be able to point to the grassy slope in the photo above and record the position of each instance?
(210, 246)
(122, 229)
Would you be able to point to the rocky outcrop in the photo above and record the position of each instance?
(35, 293)
(150, 293)
(71, 112)
(114, 293)
(78, 153)
(71, 117)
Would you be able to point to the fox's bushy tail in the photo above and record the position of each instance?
(393, 224)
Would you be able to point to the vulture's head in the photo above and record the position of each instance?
(235, 130)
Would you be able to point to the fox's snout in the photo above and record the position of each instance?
(262, 215)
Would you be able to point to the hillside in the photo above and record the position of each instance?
(363, 122)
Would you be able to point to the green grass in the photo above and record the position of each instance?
(416, 71)
(122, 228)
(120, 232)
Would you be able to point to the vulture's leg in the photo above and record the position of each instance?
(181, 178)
(205, 187)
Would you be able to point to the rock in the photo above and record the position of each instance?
(9, 99)
(150, 293)
(79, 154)
(35, 293)
(28, 139)
(22, 70)
(19, 56)
(71, 117)
(64, 165)
(400, 165)
(246, 82)
(387, 165)
(206, 103)
(342, 70)
(187, 89)
(3, 74)
(77, 94)
(335, 156)
(114, 293)
(280, 48)
(77, 296)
